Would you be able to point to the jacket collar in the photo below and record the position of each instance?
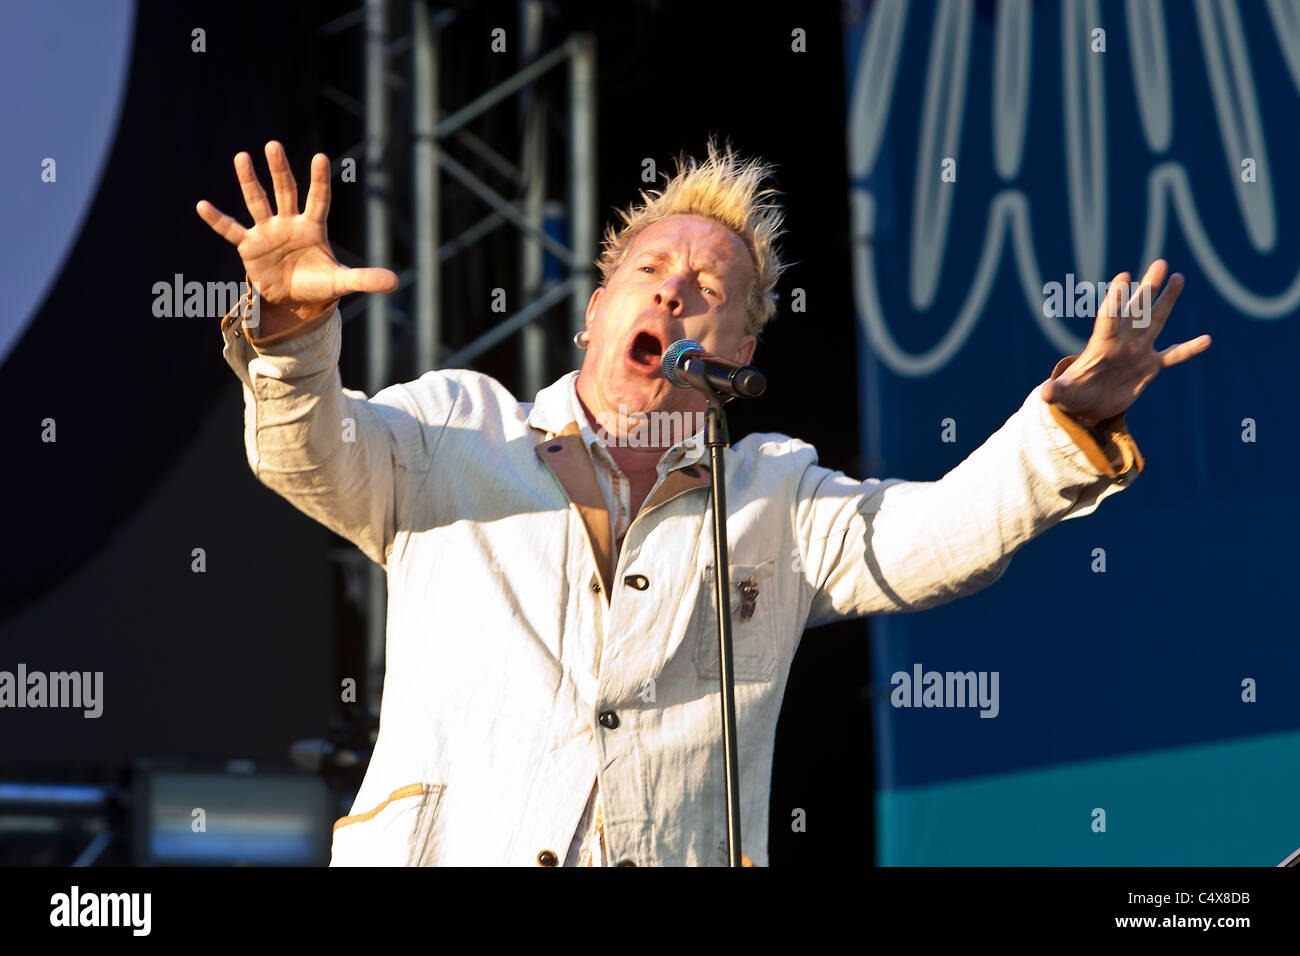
(556, 410)
(552, 410)
(562, 449)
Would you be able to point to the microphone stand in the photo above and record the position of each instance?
(717, 440)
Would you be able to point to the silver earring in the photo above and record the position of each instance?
(580, 339)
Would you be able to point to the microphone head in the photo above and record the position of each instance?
(673, 354)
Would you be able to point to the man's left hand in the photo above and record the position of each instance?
(1120, 360)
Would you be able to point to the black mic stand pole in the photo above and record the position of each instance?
(717, 440)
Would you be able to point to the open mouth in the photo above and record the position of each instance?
(647, 351)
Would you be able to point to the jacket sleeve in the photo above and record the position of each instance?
(882, 546)
(348, 461)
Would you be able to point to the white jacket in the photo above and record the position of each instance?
(508, 637)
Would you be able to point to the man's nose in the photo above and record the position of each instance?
(670, 294)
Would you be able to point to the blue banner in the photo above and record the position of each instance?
(1005, 158)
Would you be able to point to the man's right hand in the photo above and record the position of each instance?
(287, 255)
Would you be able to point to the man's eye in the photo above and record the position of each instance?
(651, 268)
(710, 291)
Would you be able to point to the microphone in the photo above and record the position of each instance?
(687, 365)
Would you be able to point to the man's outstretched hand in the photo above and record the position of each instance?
(1120, 359)
(287, 255)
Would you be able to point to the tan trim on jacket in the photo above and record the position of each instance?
(410, 790)
(294, 331)
(302, 328)
(679, 482)
(1109, 446)
(571, 464)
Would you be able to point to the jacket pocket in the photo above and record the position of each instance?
(753, 623)
(401, 831)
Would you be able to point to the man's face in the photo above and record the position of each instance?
(684, 277)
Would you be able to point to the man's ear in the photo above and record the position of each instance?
(591, 303)
(746, 351)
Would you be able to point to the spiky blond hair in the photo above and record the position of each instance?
(727, 189)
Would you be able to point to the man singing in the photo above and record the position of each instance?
(552, 689)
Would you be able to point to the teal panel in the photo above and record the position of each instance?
(1230, 803)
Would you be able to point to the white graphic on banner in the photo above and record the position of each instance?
(1236, 108)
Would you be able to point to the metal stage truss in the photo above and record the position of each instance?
(412, 62)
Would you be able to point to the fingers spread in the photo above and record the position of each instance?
(223, 225)
(1107, 323)
(254, 197)
(1155, 273)
(1138, 307)
(1154, 278)
(286, 187)
(1165, 304)
(1183, 351)
(318, 195)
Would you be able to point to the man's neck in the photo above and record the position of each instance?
(620, 450)
(635, 459)
(640, 464)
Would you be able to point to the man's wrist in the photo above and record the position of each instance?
(1106, 442)
(272, 334)
(1084, 421)
(263, 322)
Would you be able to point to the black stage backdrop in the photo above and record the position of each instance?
(149, 464)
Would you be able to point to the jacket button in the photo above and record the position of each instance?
(626, 863)
(609, 720)
(595, 584)
(547, 858)
(638, 581)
